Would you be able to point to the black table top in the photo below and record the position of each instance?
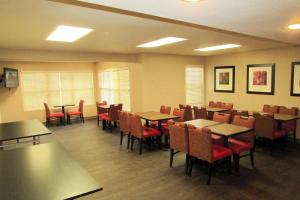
(64, 105)
(43, 172)
(22, 129)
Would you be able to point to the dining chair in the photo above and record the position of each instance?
(53, 115)
(78, 113)
(124, 118)
(223, 118)
(112, 118)
(100, 111)
(201, 147)
(289, 126)
(266, 127)
(200, 113)
(179, 142)
(244, 142)
(188, 113)
(165, 126)
(226, 105)
(270, 109)
(140, 132)
(165, 109)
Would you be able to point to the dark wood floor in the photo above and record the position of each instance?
(127, 175)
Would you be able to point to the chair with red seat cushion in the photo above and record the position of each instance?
(78, 113)
(188, 113)
(164, 110)
(270, 109)
(176, 112)
(220, 117)
(100, 110)
(200, 113)
(111, 117)
(124, 118)
(289, 126)
(244, 142)
(140, 132)
(50, 115)
(179, 142)
(226, 105)
(267, 128)
(201, 147)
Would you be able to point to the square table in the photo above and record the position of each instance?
(63, 107)
(214, 109)
(22, 129)
(200, 123)
(43, 172)
(156, 116)
(228, 130)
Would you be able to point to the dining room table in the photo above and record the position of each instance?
(200, 123)
(63, 107)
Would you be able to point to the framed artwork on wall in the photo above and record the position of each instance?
(295, 80)
(261, 78)
(224, 79)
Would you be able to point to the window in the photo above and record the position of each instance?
(194, 89)
(56, 88)
(115, 87)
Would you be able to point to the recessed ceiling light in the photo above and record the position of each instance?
(294, 26)
(68, 33)
(161, 42)
(219, 47)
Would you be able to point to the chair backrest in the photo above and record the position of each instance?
(179, 137)
(124, 121)
(200, 113)
(121, 119)
(270, 109)
(136, 127)
(288, 111)
(101, 103)
(212, 104)
(178, 112)
(165, 109)
(200, 143)
(221, 117)
(226, 105)
(113, 112)
(80, 107)
(188, 113)
(265, 126)
(246, 122)
(182, 106)
(47, 109)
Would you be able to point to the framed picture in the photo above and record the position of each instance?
(224, 79)
(295, 81)
(261, 78)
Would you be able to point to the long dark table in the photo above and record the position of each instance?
(43, 172)
(22, 129)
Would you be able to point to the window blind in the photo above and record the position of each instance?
(56, 88)
(115, 87)
(194, 85)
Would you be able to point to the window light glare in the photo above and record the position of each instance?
(219, 47)
(294, 26)
(68, 33)
(161, 42)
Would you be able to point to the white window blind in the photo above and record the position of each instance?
(56, 88)
(194, 80)
(115, 87)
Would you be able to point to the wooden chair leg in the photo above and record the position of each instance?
(128, 141)
(209, 173)
(82, 118)
(121, 138)
(187, 159)
(191, 162)
(141, 146)
(132, 142)
(252, 157)
(98, 120)
(295, 139)
(171, 156)
(236, 162)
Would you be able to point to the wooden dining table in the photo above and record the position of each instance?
(200, 123)
(156, 116)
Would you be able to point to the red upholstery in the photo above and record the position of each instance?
(220, 152)
(150, 132)
(103, 115)
(279, 133)
(74, 113)
(56, 115)
(239, 146)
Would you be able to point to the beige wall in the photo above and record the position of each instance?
(281, 57)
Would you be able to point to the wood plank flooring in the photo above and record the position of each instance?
(127, 175)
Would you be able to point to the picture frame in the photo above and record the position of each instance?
(261, 78)
(224, 79)
(295, 79)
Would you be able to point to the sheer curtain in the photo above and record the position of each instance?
(194, 85)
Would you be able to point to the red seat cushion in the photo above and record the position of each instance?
(239, 146)
(56, 115)
(279, 133)
(103, 116)
(220, 152)
(165, 128)
(149, 132)
(217, 138)
(74, 113)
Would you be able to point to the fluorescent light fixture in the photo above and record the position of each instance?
(193, 1)
(161, 42)
(68, 33)
(219, 47)
(294, 26)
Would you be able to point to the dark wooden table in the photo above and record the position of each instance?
(200, 123)
(156, 116)
(228, 130)
(214, 109)
(22, 129)
(63, 107)
(43, 172)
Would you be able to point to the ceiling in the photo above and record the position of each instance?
(26, 24)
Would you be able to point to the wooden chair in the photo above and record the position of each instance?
(188, 113)
(112, 118)
(200, 113)
(289, 126)
(220, 117)
(78, 113)
(100, 111)
(50, 115)
(270, 109)
(124, 118)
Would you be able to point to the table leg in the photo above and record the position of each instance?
(1, 147)
(147, 122)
